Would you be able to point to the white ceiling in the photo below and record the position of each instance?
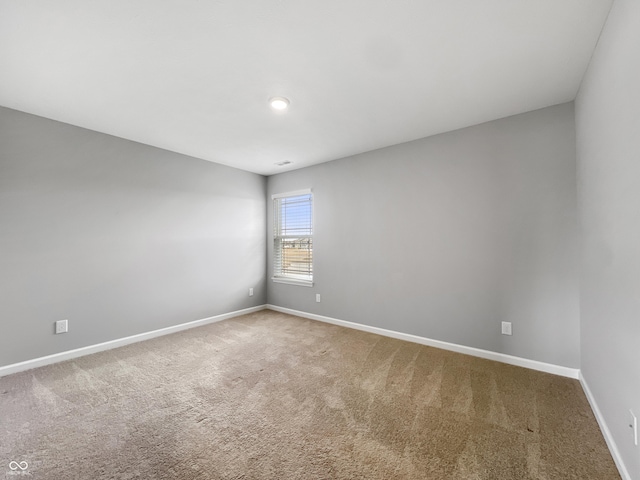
(194, 76)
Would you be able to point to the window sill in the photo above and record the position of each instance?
(293, 281)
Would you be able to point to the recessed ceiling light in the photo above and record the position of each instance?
(279, 103)
(282, 164)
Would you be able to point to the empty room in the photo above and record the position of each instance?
(278, 239)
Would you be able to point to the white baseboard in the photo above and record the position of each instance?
(476, 352)
(606, 433)
(79, 352)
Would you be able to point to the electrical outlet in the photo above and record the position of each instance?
(634, 426)
(506, 328)
(318, 297)
(62, 326)
(251, 292)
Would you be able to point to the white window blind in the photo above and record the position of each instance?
(293, 238)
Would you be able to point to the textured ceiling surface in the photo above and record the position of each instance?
(195, 76)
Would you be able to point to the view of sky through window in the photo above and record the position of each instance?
(295, 215)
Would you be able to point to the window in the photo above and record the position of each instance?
(293, 238)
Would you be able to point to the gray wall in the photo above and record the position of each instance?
(608, 141)
(118, 237)
(447, 236)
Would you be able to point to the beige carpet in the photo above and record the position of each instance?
(271, 396)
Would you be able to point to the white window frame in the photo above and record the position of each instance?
(278, 276)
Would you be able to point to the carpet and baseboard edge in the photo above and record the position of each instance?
(120, 342)
(476, 352)
(606, 433)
